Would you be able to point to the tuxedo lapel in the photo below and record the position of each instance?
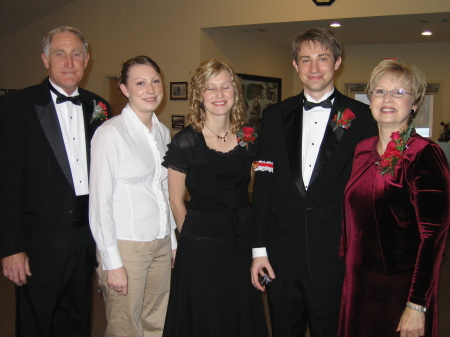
(332, 137)
(50, 125)
(292, 118)
(89, 125)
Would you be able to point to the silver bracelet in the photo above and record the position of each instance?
(416, 307)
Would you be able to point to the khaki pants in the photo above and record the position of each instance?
(142, 312)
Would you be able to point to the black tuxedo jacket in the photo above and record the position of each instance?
(37, 197)
(301, 228)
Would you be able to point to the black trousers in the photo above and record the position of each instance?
(294, 305)
(61, 307)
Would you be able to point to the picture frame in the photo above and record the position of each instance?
(178, 90)
(178, 121)
(260, 92)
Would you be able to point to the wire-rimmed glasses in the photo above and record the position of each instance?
(397, 93)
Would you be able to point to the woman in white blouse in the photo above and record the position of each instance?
(130, 217)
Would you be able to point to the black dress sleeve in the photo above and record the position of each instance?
(180, 150)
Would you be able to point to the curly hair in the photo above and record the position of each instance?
(406, 73)
(197, 87)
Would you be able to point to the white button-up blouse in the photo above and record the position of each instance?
(128, 186)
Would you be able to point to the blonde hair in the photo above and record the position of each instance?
(198, 85)
(406, 73)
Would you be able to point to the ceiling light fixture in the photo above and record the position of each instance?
(323, 2)
(335, 24)
(427, 33)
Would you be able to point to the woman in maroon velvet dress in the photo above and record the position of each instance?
(396, 216)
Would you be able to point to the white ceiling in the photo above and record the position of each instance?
(369, 30)
(16, 14)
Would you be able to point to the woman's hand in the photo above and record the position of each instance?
(412, 323)
(174, 255)
(118, 280)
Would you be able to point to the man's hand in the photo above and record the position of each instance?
(16, 268)
(118, 280)
(259, 266)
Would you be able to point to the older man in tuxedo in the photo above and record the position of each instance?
(305, 157)
(45, 241)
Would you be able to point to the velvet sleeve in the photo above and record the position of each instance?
(430, 196)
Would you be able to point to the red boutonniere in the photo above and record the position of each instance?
(344, 118)
(394, 151)
(100, 112)
(246, 135)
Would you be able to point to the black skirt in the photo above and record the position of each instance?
(211, 290)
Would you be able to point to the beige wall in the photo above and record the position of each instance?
(170, 31)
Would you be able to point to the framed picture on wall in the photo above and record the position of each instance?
(178, 90)
(177, 121)
(259, 93)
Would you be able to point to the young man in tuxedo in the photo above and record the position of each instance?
(46, 245)
(306, 147)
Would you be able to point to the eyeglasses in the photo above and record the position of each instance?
(397, 93)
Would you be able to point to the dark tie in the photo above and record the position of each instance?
(307, 105)
(60, 98)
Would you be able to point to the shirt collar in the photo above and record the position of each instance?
(324, 97)
(135, 125)
(61, 91)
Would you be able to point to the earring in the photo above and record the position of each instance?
(412, 112)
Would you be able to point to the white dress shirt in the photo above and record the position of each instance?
(128, 185)
(71, 121)
(314, 123)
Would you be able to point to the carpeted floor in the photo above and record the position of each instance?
(7, 310)
(7, 305)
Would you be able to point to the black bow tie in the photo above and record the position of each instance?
(307, 105)
(60, 98)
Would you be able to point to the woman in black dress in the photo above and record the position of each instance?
(211, 293)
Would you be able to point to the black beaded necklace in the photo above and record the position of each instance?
(224, 137)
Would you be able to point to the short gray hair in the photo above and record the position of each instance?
(49, 37)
